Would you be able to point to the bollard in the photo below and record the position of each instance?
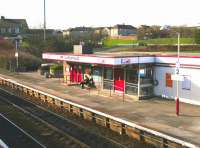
(89, 91)
(110, 90)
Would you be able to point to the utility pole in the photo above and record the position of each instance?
(177, 73)
(138, 92)
(44, 21)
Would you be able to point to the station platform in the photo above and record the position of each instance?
(156, 113)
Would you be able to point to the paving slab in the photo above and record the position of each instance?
(156, 113)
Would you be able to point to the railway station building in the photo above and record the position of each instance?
(140, 76)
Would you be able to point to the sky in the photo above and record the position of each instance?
(62, 14)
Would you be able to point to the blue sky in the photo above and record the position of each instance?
(62, 14)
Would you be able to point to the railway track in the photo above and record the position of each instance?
(34, 128)
(79, 136)
(15, 136)
(121, 132)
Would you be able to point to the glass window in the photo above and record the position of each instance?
(146, 71)
(131, 74)
(149, 72)
(146, 91)
(108, 73)
(17, 30)
(3, 30)
(108, 78)
(9, 30)
(97, 74)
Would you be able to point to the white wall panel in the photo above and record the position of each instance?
(192, 95)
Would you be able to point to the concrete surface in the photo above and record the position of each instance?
(157, 114)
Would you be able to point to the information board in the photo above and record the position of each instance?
(186, 83)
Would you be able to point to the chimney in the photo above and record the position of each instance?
(81, 49)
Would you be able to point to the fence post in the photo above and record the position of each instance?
(110, 90)
(123, 96)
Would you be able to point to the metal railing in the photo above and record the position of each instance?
(122, 126)
(107, 84)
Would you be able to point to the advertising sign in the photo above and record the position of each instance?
(142, 73)
(177, 77)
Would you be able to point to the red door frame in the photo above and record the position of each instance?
(75, 74)
(80, 75)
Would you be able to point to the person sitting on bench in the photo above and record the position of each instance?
(88, 80)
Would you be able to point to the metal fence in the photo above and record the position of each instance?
(105, 87)
(116, 124)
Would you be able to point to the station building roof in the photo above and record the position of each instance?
(120, 59)
(99, 58)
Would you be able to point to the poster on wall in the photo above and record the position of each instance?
(186, 83)
(168, 80)
(142, 73)
(96, 75)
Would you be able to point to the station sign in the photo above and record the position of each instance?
(125, 61)
(177, 68)
(177, 77)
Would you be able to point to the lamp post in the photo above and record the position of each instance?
(18, 40)
(138, 92)
(177, 73)
(17, 53)
(44, 20)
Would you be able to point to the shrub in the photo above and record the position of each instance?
(142, 44)
(28, 62)
(56, 70)
(197, 37)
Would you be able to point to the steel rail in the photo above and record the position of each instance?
(59, 116)
(24, 132)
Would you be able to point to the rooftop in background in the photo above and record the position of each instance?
(80, 29)
(123, 26)
(4, 22)
(130, 51)
(10, 27)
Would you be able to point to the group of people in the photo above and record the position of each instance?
(88, 80)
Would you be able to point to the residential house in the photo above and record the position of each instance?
(12, 27)
(122, 30)
(78, 32)
(195, 27)
(66, 32)
(118, 31)
(103, 30)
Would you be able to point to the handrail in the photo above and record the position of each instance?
(3, 145)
